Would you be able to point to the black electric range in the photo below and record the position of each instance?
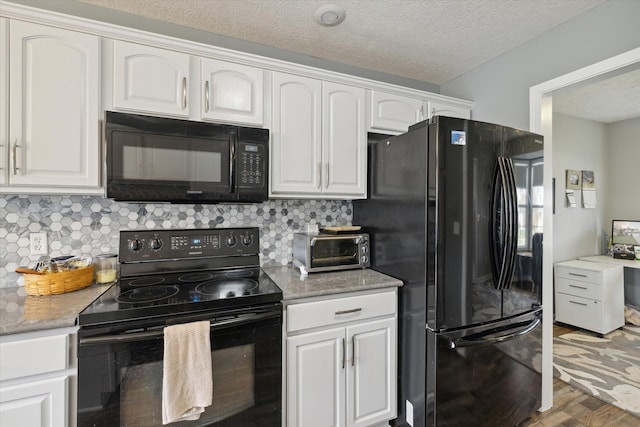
(184, 271)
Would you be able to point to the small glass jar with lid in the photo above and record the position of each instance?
(106, 268)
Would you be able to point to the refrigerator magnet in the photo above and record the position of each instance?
(458, 137)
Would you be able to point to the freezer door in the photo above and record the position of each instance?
(489, 376)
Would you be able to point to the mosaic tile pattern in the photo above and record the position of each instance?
(88, 225)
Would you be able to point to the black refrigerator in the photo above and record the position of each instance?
(454, 211)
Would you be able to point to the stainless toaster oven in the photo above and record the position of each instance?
(314, 252)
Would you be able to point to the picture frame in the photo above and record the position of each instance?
(574, 179)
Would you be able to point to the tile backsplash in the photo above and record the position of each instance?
(88, 225)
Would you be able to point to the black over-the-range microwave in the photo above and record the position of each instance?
(154, 159)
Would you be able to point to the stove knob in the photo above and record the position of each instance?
(155, 244)
(231, 241)
(247, 240)
(135, 245)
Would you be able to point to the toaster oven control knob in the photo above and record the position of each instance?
(155, 244)
(247, 240)
(135, 245)
(231, 241)
(364, 259)
(364, 250)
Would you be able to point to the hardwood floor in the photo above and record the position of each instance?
(574, 408)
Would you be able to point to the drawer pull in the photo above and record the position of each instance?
(355, 310)
(576, 274)
(576, 302)
(344, 350)
(579, 287)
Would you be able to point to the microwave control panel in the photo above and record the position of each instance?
(251, 165)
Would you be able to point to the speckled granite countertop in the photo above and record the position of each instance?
(295, 286)
(20, 312)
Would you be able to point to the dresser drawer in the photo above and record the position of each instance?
(583, 275)
(581, 289)
(582, 312)
(338, 310)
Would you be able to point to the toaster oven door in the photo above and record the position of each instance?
(334, 251)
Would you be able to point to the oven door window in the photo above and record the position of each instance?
(331, 252)
(197, 164)
(121, 384)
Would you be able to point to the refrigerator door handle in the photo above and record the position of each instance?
(503, 226)
(478, 340)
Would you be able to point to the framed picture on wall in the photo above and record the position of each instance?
(574, 179)
(588, 180)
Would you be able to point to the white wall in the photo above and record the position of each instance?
(623, 187)
(579, 144)
(500, 87)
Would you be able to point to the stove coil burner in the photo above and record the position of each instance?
(195, 277)
(227, 288)
(146, 281)
(146, 294)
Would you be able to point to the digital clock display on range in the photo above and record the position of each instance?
(196, 241)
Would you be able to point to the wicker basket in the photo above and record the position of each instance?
(58, 283)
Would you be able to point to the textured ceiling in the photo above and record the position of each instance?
(431, 41)
(427, 40)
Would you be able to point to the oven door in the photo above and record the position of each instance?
(163, 167)
(120, 371)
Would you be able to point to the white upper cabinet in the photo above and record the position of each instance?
(344, 145)
(296, 151)
(4, 101)
(439, 108)
(390, 112)
(318, 139)
(53, 138)
(150, 80)
(232, 92)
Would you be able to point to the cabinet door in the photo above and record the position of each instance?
(54, 106)
(371, 384)
(316, 379)
(4, 100)
(149, 79)
(37, 403)
(232, 92)
(394, 112)
(443, 109)
(296, 137)
(344, 146)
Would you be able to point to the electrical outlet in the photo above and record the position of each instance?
(38, 243)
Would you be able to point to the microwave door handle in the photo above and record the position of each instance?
(232, 153)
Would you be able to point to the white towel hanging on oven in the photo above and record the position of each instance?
(187, 382)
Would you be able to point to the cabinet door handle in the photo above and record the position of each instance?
(353, 350)
(576, 302)
(327, 174)
(319, 175)
(576, 274)
(206, 96)
(579, 287)
(184, 93)
(15, 157)
(344, 350)
(353, 310)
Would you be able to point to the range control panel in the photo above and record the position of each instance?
(158, 245)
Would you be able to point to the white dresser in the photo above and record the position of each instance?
(590, 295)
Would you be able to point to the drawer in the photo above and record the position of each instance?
(582, 312)
(339, 310)
(33, 356)
(581, 289)
(583, 275)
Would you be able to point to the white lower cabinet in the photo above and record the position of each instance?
(590, 295)
(37, 377)
(341, 368)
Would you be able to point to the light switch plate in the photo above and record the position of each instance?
(38, 243)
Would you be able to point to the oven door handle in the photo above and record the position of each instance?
(138, 336)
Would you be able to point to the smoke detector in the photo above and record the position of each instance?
(329, 15)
